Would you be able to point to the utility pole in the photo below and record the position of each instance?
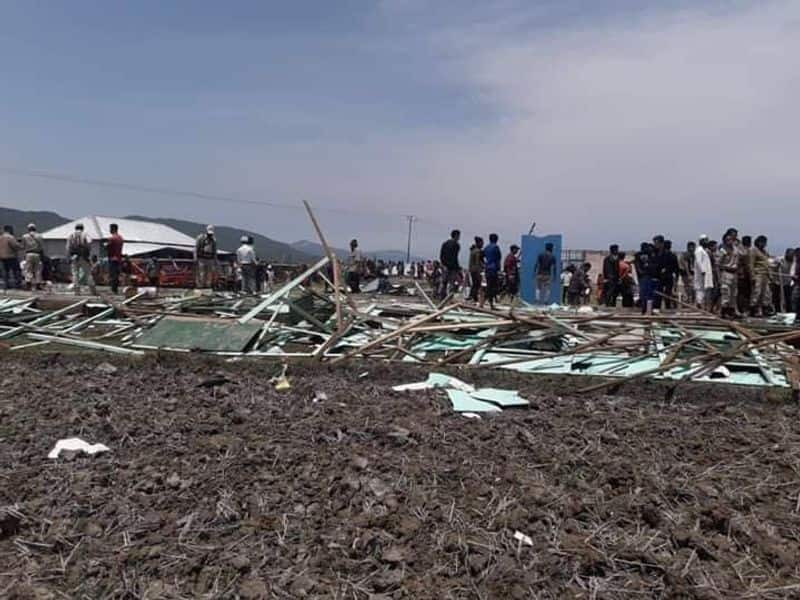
(408, 248)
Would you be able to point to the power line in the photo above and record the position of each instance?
(165, 191)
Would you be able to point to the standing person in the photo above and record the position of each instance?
(270, 278)
(94, 274)
(642, 261)
(79, 250)
(759, 268)
(611, 276)
(670, 275)
(127, 271)
(33, 249)
(686, 269)
(745, 276)
(9, 257)
(785, 270)
(729, 276)
(205, 256)
(658, 263)
(152, 270)
(511, 270)
(579, 285)
(475, 269)
(566, 279)
(625, 272)
(703, 274)
(713, 256)
(246, 259)
(114, 246)
(544, 272)
(492, 257)
(448, 258)
(355, 268)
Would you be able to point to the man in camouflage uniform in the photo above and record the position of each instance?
(759, 271)
(728, 275)
(33, 249)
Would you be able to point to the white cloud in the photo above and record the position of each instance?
(673, 122)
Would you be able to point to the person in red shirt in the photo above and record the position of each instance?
(114, 250)
(625, 274)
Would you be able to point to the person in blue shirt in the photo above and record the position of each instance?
(492, 260)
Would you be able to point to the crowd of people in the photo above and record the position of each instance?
(735, 277)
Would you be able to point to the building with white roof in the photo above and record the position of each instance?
(142, 238)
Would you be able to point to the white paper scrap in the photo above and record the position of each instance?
(522, 538)
(77, 444)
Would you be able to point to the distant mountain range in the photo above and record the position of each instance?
(228, 237)
(315, 249)
(19, 219)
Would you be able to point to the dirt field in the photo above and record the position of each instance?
(236, 490)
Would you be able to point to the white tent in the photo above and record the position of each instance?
(141, 237)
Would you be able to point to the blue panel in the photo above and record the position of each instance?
(532, 246)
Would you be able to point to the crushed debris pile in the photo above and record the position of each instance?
(302, 321)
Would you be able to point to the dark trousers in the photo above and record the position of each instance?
(656, 290)
(645, 292)
(777, 296)
(113, 275)
(449, 282)
(788, 305)
(354, 282)
(12, 274)
(610, 292)
(745, 290)
(626, 290)
(492, 286)
(669, 292)
(474, 285)
(512, 286)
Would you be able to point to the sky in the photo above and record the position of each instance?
(605, 120)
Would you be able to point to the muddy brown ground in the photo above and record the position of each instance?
(236, 490)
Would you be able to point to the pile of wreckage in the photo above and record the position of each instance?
(302, 320)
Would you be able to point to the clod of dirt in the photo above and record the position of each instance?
(360, 463)
(378, 487)
(239, 562)
(10, 522)
(106, 368)
(253, 589)
(213, 381)
(394, 554)
(173, 481)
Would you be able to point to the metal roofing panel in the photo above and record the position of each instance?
(132, 231)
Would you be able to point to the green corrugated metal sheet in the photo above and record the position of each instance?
(196, 334)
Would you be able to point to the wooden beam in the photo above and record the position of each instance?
(334, 261)
(273, 297)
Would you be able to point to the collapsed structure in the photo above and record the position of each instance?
(298, 321)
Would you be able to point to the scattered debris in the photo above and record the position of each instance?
(464, 397)
(76, 445)
(523, 539)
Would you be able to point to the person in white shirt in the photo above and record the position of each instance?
(566, 279)
(246, 260)
(703, 272)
